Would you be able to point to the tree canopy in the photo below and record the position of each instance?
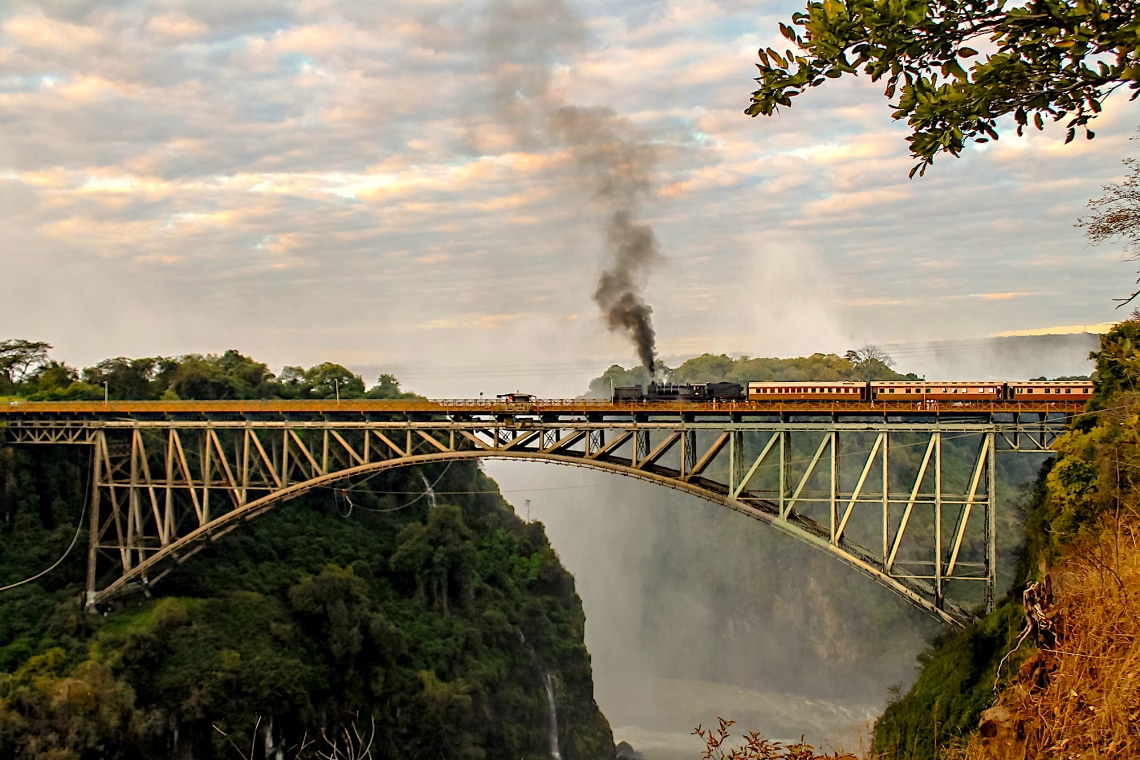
(26, 370)
(1044, 59)
(18, 358)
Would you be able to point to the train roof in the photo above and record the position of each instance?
(830, 383)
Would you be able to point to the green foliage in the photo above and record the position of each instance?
(52, 710)
(828, 367)
(387, 386)
(435, 623)
(18, 359)
(229, 376)
(124, 378)
(440, 557)
(1040, 60)
(1117, 363)
(25, 370)
(324, 380)
(954, 685)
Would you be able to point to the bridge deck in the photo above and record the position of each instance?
(15, 411)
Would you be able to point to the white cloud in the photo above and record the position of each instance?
(261, 175)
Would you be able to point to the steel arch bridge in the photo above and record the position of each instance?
(871, 484)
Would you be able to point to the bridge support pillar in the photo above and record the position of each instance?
(641, 446)
(688, 452)
(735, 460)
(991, 522)
(596, 441)
(93, 526)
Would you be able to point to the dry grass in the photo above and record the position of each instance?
(1078, 697)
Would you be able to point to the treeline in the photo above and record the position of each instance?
(26, 370)
(867, 363)
(1090, 490)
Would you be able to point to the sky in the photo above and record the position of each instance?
(387, 186)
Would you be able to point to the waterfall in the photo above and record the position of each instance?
(553, 715)
(429, 491)
(273, 751)
(552, 709)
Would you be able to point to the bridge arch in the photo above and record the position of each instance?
(150, 570)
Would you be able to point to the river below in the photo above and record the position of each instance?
(651, 722)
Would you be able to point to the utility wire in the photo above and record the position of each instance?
(78, 530)
(462, 493)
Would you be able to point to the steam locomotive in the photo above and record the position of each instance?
(680, 392)
(879, 390)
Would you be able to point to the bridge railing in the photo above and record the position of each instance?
(14, 409)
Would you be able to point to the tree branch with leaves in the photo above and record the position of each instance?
(1046, 59)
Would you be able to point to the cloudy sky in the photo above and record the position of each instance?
(385, 185)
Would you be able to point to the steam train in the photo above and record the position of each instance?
(876, 390)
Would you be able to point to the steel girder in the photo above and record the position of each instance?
(881, 496)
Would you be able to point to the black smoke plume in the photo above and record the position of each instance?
(616, 168)
(613, 162)
(632, 248)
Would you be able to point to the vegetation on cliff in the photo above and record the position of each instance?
(1065, 691)
(430, 626)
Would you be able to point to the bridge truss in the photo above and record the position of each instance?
(906, 495)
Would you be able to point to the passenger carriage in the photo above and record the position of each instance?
(807, 391)
(922, 390)
(1050, 390)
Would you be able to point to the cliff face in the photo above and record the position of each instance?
(428, 629)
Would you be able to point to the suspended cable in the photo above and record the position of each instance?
(74, 539)
(422, 494)
(467, 492)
